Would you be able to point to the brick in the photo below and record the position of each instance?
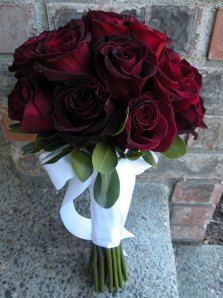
(61, 13)
(196, 191)
(192, 233)
(212, 91)
(135, 10)
(199, 165)
(192, 191)
(216, 46)
(208, 139)
(5, 122)
(7, 80)
(181, 23)
(217, 193)
(17, 24)
(26, 164)
(192, 215)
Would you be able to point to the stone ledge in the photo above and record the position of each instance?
(199, 270)
(39, 257)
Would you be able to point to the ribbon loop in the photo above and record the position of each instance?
(106, 226)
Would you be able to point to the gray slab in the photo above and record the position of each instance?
(39, 258)
(200, 271)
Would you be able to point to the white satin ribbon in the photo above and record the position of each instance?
(106, 226)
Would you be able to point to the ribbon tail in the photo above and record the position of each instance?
(75, 223)
(127, 234)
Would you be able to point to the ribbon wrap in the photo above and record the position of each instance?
(106, 226)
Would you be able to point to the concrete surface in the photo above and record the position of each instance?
(200, 271)
(39, 258)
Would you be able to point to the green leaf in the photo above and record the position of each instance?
(54, 146)
(134, 154)
(148, 157)
(107, 189)
(58, 156)
(120, 152)
(15, 128)
(30, 148)
(104, 158)
(82, 164)
(54, 153)
(47, 135)
(122, 126)
(49, 142)
(177, 149)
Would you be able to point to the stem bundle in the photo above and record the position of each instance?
(108, 268)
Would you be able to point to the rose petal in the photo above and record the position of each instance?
(37, 115)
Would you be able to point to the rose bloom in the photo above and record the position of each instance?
(177, 81)
(124, 65)
(84, 112)
(31, 104)
(56, 53)
(150, 125)
(110, 24)
(190, 118)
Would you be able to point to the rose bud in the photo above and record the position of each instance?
(124, 65)
(150, 125)
(190, 118)
(31, 104)
(84, 111)
(56, 53)
(110, 24)
(177, 81)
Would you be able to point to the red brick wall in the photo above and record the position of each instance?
(196, 26)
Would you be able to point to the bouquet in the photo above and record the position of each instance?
(103, 94)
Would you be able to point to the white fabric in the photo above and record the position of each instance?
(106, 226)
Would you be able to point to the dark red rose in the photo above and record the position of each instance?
(191, 118)
(177, 81)
(18, 99)
(31, 104)
(112, 24)
(56, 53)
(150, 125)
(84, 111)
(103, 24)
(124, 65)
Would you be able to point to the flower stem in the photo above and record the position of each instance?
(115, 271)
(101, 269)
(107, 267)
(124, 267)
(119, 266)
(110, 270)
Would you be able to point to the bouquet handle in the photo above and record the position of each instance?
(106, 226)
